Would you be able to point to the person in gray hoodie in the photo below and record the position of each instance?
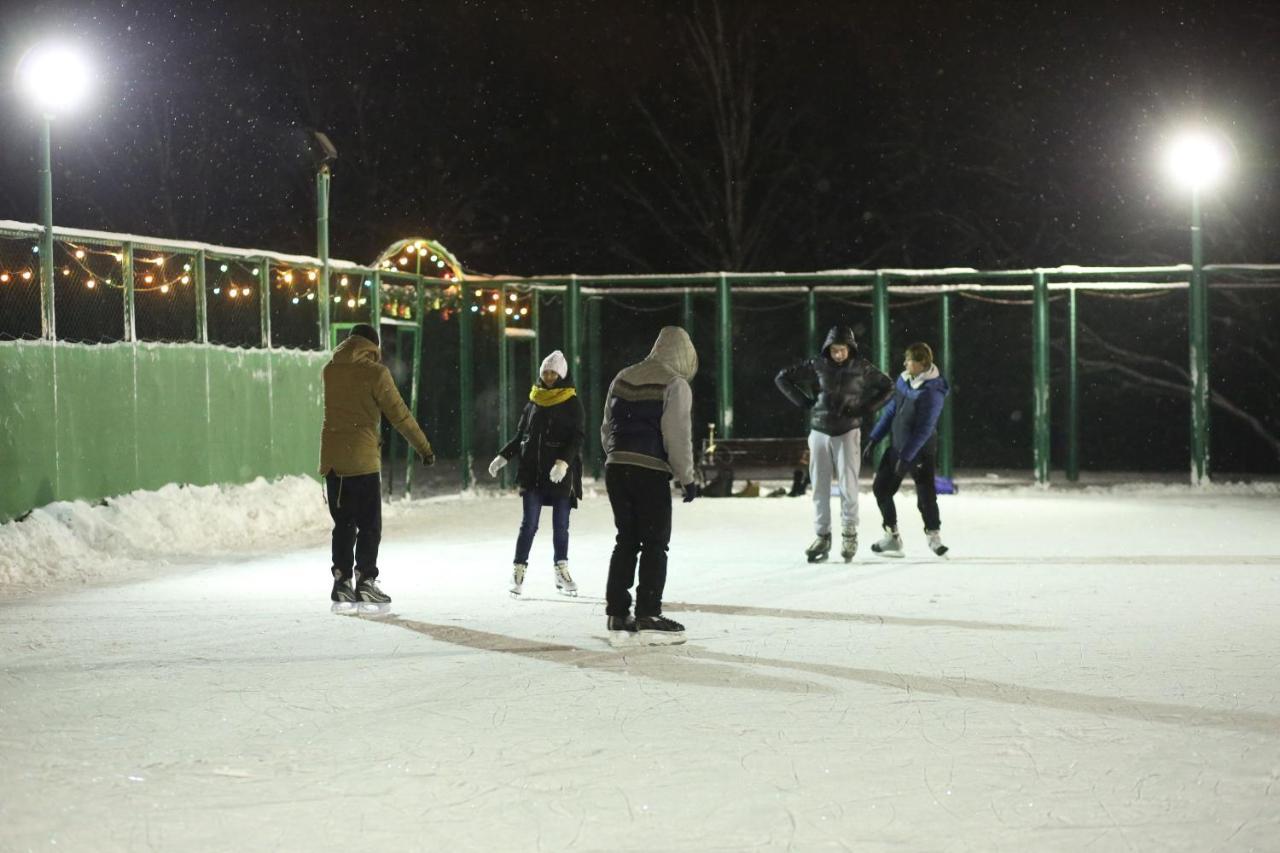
(647, 438)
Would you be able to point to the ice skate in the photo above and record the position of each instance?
(564, 581)
(935, 542)
(343, 596)
(890, 545)
(849, 545)
(621, 631)
(517, 579)
(659, 631)
(371, 600)
(820, 549)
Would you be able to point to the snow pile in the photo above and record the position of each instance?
(73, 540)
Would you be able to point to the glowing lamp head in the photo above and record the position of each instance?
(1196, 159)
(54, 77)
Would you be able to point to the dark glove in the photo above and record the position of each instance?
(868, 450)
(902, 468)
(691, 491)
(428, 460)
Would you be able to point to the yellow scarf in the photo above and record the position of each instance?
(550, 396)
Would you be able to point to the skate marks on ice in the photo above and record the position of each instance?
(704, 667)
(1016, 694)
(832, 616)
(824, 616)
(661, 663)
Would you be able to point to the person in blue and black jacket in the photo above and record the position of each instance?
(911, 421)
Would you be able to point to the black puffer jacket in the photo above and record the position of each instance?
(845, 392)
(545, 434)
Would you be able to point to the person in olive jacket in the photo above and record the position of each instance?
(847, 388)
(548, 441)
(358, 391)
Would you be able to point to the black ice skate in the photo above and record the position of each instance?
(343, 596)
(371, 599)
(820, 549)
(849, 545)
(659, 631)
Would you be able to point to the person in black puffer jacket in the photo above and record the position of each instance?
(548, 441)
(838, 388)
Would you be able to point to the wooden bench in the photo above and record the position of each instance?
(727, 459)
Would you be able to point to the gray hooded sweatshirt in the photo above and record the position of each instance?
(649, 407)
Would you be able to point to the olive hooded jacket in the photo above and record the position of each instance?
(358, 390)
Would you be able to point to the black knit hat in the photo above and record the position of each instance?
(365, 331)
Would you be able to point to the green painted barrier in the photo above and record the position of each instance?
(90, 421)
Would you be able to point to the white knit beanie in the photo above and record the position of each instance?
(556, 363)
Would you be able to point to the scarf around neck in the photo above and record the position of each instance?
(550, 396)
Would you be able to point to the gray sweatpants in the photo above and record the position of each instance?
(840, 455)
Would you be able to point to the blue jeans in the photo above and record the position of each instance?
(534, 501)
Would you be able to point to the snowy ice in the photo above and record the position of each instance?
(1091, 670)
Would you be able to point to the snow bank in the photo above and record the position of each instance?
(74, 540)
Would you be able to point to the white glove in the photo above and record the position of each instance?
(496, 465)
(558, 470)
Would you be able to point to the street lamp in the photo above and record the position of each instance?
(55, 78)
(1197, 159)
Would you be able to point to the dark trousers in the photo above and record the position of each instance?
(641, 502)
(887, 483)
(534, 501)
(355, 503)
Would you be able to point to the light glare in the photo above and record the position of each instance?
(55, 77)
(1196, 159)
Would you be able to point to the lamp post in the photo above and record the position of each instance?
(1196, 159)
(55, 79)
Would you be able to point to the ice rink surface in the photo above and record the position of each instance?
(1090, 670)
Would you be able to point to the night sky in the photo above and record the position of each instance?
(572, 136)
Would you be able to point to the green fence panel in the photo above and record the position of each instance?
(28, 445)
(88, 422)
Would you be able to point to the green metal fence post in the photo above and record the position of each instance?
(130, 297)
(264, 302)
(48, 328)
(202, 298)
(573, 325)
(535, 323)
(811, 322)
(375, 300)
(724, 362)
(466, 391)
(595, 385)
(322, 244)
(419, 305)
(946, 426)
(504, 376)
(686, 311)
(880, 320)
(1073, 391)
(880, 331)
(1040, 393)
(1199, 338)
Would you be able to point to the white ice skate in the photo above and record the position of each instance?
(935, 542)
(517, 579)
(849, 545)
(564, 581)
(890, 545)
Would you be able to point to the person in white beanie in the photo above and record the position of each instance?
(548, 442)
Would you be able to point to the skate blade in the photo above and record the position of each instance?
(818, 558)
(374, 609)
(572, 593)
(660, 638)
(514, 593)
(346, 608)
(893, 554)
(640, 639)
